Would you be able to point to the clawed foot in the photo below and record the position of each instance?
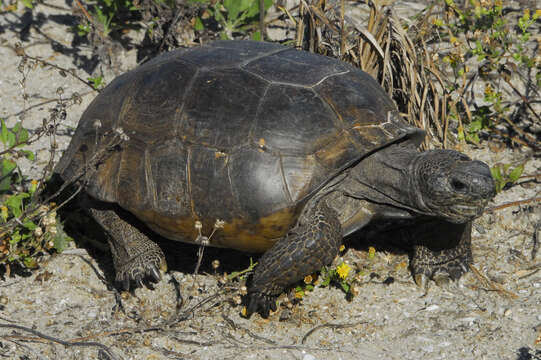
(140, 269)
(260, 303)
(442, 273)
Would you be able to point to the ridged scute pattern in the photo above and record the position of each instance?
(236, 130)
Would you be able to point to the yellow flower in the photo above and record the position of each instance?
(4, 213)
(371, 252)
(343, 270)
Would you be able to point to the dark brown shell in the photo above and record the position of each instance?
(237, 130)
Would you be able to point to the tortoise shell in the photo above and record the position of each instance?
(240, 131)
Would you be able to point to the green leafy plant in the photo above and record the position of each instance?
(27, 227)
(505, 175)
(109, 16)
(5, 6)
(96, 82)
(233, 16)
(482, 31)
(339, 275)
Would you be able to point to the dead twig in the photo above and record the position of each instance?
(20, 52)
(332, 326)
(535, 239)
(492, 285)
(514, 203)
(28, 348)
(234, 326)
(48, 338)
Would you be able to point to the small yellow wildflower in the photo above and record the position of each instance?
(308, 279)
(4, 212)
(371, 252)
(341, 248)
(343, 270)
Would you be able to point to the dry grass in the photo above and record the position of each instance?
(385, 50)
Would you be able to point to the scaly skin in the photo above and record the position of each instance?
(135, 256)
(311, 244)
(441, 257)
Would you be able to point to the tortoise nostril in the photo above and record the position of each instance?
(458, 185)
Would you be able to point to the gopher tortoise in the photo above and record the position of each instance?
(292, 151)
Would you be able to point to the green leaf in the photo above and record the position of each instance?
(496, 173)
(29, 225)
(233, 8)
(461, 136)
(345, 286)
(12, 140)
(473, 137)
(198, 24)
(476, 125)
(327, 280)
(6, 168)
(97, 81)
(254, 9)
(4, 133)
(15, 203)
(27, 3)
(29, 155)
(514, 175)
(30, 262)
(15, 238)
(21, 134)
(256, 36)
(61, 240)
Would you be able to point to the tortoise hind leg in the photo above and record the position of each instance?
(311, 244)
(442, 251)
(135, 256)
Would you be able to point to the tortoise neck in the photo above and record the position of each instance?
(386, 177)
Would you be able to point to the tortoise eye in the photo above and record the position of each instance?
(458, 185)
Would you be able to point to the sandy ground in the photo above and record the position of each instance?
(70, 297)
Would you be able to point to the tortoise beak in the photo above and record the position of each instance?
(474, 178)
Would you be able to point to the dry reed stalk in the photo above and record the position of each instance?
(381, 47)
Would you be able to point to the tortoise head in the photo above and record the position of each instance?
(450, 185)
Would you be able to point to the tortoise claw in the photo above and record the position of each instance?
(155, 274)
(421, 280)
(125, 283)
(139, 281)
(441, 279)
(260, 303)
(138, 278)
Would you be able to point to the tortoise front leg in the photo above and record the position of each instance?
(442, 251)
(311, 244)
(135, 256)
